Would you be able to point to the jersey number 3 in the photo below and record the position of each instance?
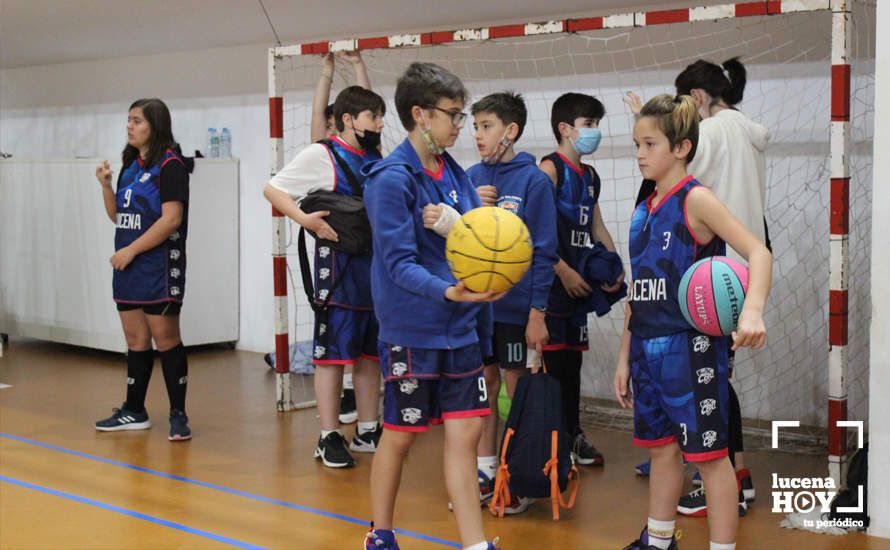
(667, 240)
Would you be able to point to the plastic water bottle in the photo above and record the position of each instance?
(212, 143)
(225, 143)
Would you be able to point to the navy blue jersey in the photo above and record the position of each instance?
(354, 292)
(661, 250)
(156, 275)
(577, 191)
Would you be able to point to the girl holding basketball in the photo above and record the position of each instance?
(679, 375)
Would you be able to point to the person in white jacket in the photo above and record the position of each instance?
(730, 161)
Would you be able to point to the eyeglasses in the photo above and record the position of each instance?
(457, 117)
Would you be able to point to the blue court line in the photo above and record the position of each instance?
(224, 489)
(131, 513)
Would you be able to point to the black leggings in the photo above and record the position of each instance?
(565, 366)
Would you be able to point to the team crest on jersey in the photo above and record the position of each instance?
(705, 375)
(398, 369)
(709, 438)
(324, 273)
(408, 386)
(510, 206)
(144, 178)
(411, 415)
(319, 352)
(701, 344)
(591, 191)
(708, 406)
(323, 252)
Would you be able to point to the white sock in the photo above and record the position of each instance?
(347, 381)
(660, 533)
(478, 546)
(325, 433)
(721, 546)
(488, 465)
(364, 427)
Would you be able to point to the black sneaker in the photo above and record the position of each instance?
(366, 442)
(585, 453)
(268, 359)
(642, 543)
(123, 419)
(695, 504)
(348, 414)
(179, 426)
(332, 451)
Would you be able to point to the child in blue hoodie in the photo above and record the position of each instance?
(515, 183)
(589, 275)
(429, 350)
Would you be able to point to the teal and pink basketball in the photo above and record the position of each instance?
(711, 295)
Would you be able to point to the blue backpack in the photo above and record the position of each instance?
(535, 452)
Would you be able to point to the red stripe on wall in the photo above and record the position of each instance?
(279, 272)
(373, 43)
(746, 9)
(840, 92)
(837, 317)
(837, 437)
(276, 117)
(667, 16)
(840, 206)
(506, 31)
(585, 24)
(282, 355)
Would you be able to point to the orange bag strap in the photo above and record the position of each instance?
(551, 469)
(501, 497)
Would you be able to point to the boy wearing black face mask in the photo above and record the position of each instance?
(585, 247)
(346, 331)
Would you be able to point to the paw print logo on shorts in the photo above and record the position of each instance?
(322, 328)
(701, 344)
(324, 273)
(174, 236)
(324, 252)
(408, 386)
(175, 291)
(411, 415)
(323, 294)
(319, 352)
(709, 438)
(708, 406)
(175, 273)
(174, 254)
(397, 349)
(398, 369)
(705, 375)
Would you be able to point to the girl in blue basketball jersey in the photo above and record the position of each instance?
(680, 383)
(150, 210)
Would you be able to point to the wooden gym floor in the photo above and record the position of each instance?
(248, 478)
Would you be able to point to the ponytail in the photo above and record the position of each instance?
(676, 117)
(726, 82)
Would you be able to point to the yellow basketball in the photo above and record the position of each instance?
(489, 249)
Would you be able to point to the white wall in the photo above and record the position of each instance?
(79, 109)
(879, 429)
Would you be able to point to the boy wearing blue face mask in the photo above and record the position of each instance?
(584, 247)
